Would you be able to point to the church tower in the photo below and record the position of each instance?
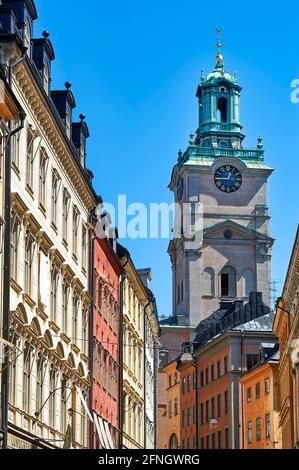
(229, 181)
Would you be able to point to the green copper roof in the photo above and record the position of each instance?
(219, 74)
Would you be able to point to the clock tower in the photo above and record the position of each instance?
(229, 181)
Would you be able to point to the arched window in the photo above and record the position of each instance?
(247, 283)
(228, 282)
(222, 109)
(208, 282)
(27, 36)
(173, 443)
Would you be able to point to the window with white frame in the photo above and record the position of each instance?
(30, 242)
(46, 77)
(56, 180)
(30, 156)
(65, 301)
(15, 145)
(84, 247)
(14, 244)
(40, 375)
(85, 331)
(53, 377)
(43, 166)
(54, 292)
(65, 214)
(63, 405)
(76, 218)
(26, 378)
(75, 319)
(27, 36)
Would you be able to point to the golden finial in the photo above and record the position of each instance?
(219, 45)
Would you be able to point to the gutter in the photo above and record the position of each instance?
(91, 343)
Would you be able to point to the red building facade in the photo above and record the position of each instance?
(105, 393)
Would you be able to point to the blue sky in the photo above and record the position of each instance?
(135, 66)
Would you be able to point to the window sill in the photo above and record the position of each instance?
(53, 326)
(30, 190)
(40, 310)
(16, 169)
(75, 349)
(65, 338)
(18, 289)
(54, 227)
(42, 209)
(65, 243)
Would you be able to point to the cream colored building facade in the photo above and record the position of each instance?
(51, 201)
(134, 301)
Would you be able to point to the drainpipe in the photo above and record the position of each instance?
(196, 405)
(144, 372)
(242, 392)
(6, 260)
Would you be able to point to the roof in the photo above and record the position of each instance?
(264, 323)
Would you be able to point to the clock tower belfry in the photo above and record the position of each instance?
(229, 181)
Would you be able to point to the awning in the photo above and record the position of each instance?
(98, 430)
(102, 427)
(109, 437)
(84, 403)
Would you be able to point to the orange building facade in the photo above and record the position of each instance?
(260, 406)
(189, 422)
(169, 411)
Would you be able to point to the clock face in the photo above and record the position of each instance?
(180, 188)
(228, 179)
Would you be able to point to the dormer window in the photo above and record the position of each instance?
(46, 77)
(68, 122)
(27, 37)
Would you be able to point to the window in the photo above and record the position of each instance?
(201, 379)
(176, 407)
(43, 166)
(194, 380)
(15, 144)
(228, 282)
(76, 217)
(218, 406)
(248, 394)
(27, 36)
(213, 408)
(194, 442)
(65, 214)
(173, 442)
(258, 429)
(202, 413)
(226, 402)
(84, 247)
(225, 365)
(68, 119)
(75, 319)
(188, 383)
(194, 414)
(30, 156)
(14, 242)
(52, 394)
(183, 418)
(183, 385)
(213, 441)
(29, 256)
(170, 380)
(267, 385)
(208, 281)
(170, 409)
(188, 416)
(257, 391)
(207, 442)
(176, 378)
(85, 332)
(65, 301)
(252, 360)
(219, 440)
(212, 372)
(63, 400)
(207, 376)
(46, 78)
(207, 412)
(26, 379)
(249, 432)
(54, 292)
(188, 443)
(226, 434)
(268, 429)
(222, 106)
(202, 443)
(218, 369)
(39, 383)
(55, 193)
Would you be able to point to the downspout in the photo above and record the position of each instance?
(6, 260)
(196, 406)
(91, 343)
